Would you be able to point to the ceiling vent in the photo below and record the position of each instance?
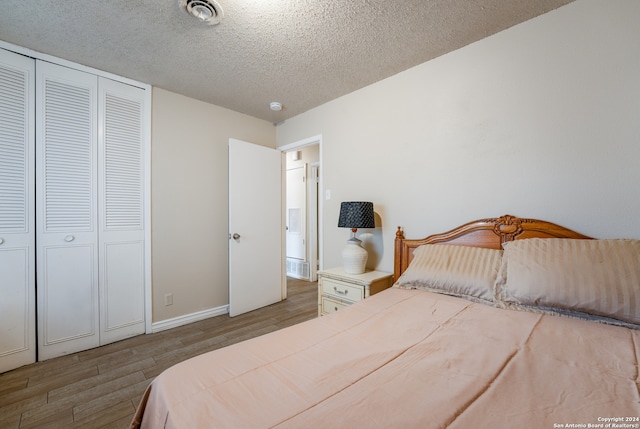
(207, 11)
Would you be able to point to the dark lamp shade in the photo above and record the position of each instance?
(356, 214)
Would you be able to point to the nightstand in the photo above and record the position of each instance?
(337, 289)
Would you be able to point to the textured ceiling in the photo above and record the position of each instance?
(301, 53)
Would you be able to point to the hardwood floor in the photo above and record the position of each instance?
(101, 387)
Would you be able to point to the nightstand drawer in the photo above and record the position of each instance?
(331, 306)
(342, 290)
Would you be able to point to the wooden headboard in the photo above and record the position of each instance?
(489, 233)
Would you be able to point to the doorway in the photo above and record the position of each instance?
(303, 209)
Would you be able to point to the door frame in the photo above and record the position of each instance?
(313, 225)
(317, 139)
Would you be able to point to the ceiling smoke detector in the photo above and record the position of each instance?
(207, 11)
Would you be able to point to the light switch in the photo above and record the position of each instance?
(327, 194)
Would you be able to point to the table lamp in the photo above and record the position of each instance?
(354, 215)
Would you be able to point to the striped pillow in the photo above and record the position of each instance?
(467, 272)
(597, 277)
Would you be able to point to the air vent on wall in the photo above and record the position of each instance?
(207, 11)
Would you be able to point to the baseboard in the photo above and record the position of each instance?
(163, 325)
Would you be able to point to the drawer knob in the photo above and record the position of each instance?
(341, 292)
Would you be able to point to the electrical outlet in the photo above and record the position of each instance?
(168, 299)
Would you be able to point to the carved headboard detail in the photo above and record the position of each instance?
(508, 227)
(489, 233)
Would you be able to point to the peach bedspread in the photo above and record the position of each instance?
(404, 359)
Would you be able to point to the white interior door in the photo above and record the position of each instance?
(296, 216)
(121, 205)
(66, 227)
(17, 225)
(256, 229)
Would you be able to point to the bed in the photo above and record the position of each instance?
(501, 322)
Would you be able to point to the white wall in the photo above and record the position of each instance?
(541, 120)
(308, 155)
(189, 200)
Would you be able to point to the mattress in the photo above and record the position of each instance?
(409, 358)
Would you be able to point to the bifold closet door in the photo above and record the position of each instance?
(17, 227)
(121, 208)
(90, 211)
(66, 204)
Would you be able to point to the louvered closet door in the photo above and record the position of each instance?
(67, 230)
(121, 172)
(17, 228)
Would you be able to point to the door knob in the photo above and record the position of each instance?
(69, 238)
(236, 236)
(1, 240)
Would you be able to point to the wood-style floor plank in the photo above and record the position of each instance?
(101, 387)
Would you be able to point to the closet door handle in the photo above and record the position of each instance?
(69, 238)
(1, 240)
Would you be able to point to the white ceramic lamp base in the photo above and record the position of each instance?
(354, 257)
